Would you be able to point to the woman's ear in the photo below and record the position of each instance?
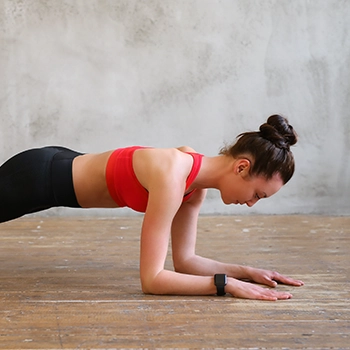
(242, 167)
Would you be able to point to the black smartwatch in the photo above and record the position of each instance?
(220, 280)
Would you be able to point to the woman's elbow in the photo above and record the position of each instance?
(146, 286)
(145, 289)
(179, 267)
(182, 264)
(149, 285)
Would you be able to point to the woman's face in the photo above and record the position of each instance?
(244, 189)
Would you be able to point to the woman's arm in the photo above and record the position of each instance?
(184, 231)
(164, 201)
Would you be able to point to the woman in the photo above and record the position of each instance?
(169, 186)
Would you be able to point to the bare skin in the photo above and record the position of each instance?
(163, 173)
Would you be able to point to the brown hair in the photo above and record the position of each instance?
(268, 149)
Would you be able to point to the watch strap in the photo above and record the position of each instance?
(220, 290)
(220, 281)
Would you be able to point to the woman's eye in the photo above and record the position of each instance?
(257, 196)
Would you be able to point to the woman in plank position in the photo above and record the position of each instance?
(169, 186)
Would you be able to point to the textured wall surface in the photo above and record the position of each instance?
(99, 74)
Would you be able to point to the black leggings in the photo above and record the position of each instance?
(36, 180)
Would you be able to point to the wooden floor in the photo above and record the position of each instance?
(73, 283)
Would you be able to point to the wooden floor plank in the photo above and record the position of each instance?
(73, 283)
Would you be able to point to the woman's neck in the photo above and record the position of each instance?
(212, 171)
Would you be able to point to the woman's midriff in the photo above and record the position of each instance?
(89, 179)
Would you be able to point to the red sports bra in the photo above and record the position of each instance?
(123, 185)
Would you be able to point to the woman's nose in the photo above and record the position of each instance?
(251, 202)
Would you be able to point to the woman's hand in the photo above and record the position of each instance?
(242, 289)
(270, 278)
(246, 290)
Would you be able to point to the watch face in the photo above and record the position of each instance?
(221, 279)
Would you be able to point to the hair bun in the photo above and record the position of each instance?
(278, 131)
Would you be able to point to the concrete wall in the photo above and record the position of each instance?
(99, 74)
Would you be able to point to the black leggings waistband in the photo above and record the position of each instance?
(62, 178)
(36, 180)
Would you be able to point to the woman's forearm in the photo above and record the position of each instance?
(198, 265)
(170, 282)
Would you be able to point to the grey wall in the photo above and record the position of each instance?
(98, 74)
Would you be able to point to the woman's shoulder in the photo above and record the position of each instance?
(171, 153)
(186, 149)
(167, 162)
